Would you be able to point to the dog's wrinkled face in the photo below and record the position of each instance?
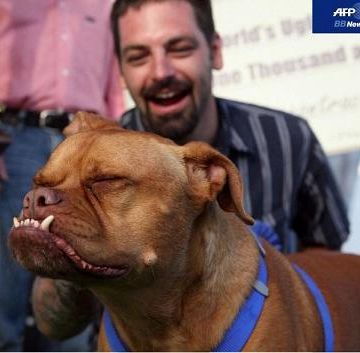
(111, 203)
(103, 191)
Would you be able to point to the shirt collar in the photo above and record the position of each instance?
(227, 137)
(138, 122)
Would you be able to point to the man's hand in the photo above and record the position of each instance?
(62, 309)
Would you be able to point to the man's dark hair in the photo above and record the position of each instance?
(202, 10)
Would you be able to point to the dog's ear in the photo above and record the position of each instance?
(214, 176)
(84, 121)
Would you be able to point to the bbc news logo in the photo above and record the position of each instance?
(346, 24)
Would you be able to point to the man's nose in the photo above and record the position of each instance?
(163, 68)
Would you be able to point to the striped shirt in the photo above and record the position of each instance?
(287, 179)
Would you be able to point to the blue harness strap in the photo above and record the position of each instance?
(239, 332)
(244, 324)
(111, 334)
(322, 307)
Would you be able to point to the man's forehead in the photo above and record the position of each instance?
(158, 21)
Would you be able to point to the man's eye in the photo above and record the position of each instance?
(136, 59)
(182, 50)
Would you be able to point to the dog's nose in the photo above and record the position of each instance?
(41, 197)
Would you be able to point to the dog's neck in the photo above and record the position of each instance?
(192, 310)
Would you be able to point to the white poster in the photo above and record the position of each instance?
(272, 59)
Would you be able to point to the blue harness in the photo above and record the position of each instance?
(322, 308)
(244, 323)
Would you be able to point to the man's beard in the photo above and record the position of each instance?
(176, 126)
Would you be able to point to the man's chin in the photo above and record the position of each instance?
(177, 126)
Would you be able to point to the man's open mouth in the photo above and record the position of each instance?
(38, 233)
(167, 92)
(168, 98)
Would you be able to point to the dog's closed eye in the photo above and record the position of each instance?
(106, 184)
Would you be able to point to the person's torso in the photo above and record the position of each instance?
(55, 54)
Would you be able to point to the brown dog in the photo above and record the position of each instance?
(158, 233)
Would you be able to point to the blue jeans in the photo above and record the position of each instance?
(29, 150)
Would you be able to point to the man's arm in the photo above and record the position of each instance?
(62, 309)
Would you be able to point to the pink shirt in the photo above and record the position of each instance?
(59, 54)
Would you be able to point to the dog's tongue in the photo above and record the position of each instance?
(83, 265)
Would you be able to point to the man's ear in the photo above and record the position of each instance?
(216, 52)
(123, 83)
(84, 121)
(213, 176)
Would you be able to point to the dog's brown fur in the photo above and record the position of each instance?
(172, 218)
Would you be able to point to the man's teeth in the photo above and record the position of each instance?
(165, 95)
(44, 225)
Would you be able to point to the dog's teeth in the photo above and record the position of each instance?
(36, 224)
(27, 222)
(16, 222)
(70, 251)
(45, 224)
